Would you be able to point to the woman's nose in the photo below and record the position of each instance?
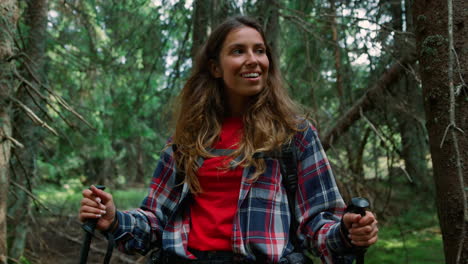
(251, 58)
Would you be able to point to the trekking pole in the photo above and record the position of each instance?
(358, 206)
(88, 227)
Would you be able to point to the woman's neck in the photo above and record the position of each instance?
(237, 106)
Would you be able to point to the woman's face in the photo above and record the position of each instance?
(243, 65)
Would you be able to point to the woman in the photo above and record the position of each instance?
(212, 195)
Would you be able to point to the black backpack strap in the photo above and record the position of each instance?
(288, 164)
(180, 175)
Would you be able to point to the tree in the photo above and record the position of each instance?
(8, 20)
(267, 14)
(199, 24)
(407, 103)
(206, 16)
(24, 164)
(441, 34)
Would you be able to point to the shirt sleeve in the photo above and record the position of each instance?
(140, 230)
(320, 205)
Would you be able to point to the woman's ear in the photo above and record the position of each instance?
(215, 69)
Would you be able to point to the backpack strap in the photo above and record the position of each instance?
(288, 166)
(180, 175)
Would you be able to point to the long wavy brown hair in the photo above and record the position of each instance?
(270, 120)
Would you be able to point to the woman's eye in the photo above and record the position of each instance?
(237, 51)
(260, 51)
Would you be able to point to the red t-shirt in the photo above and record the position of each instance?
(213, 210)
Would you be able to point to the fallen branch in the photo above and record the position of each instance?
(366, 102)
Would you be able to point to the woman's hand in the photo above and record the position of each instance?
(363, 230)
(97, 204)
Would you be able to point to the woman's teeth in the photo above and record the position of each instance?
(251, 75)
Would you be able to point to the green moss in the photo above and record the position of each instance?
(431, 43)
(421, 18)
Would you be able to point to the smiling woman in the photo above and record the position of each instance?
(217, 195)
(243, 66)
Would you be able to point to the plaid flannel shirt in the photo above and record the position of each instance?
(261, 224)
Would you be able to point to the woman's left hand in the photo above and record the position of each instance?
(363, 230)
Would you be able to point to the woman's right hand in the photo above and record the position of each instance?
(97, 204)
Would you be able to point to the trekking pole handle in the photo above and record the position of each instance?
(90, 224)
(358, 205)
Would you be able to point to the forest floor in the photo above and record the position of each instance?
(59, 240)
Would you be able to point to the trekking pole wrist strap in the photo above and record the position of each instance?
(345, 234)
(113, 226)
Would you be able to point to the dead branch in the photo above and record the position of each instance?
(67, 107)
(324, 17)
(44, 111)
(33, 116)
(31, 195)
(44, 98)
(366, 102)
(60, 100)
(14, 141)
(302, 24)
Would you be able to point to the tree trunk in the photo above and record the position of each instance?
(5, 145)
(409, 104)
(442, 39)
(206, 16)
(413, 134)
(24, 166)
(337, 54)
(9, 16)
(199, 25)
(268, 15)
(220, 10)
(140, 168)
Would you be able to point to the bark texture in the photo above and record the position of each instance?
(5, 146)
(9, 17)
(445, 94)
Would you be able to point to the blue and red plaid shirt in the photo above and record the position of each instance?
(261, 224)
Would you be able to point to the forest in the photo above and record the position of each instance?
(87, 89)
